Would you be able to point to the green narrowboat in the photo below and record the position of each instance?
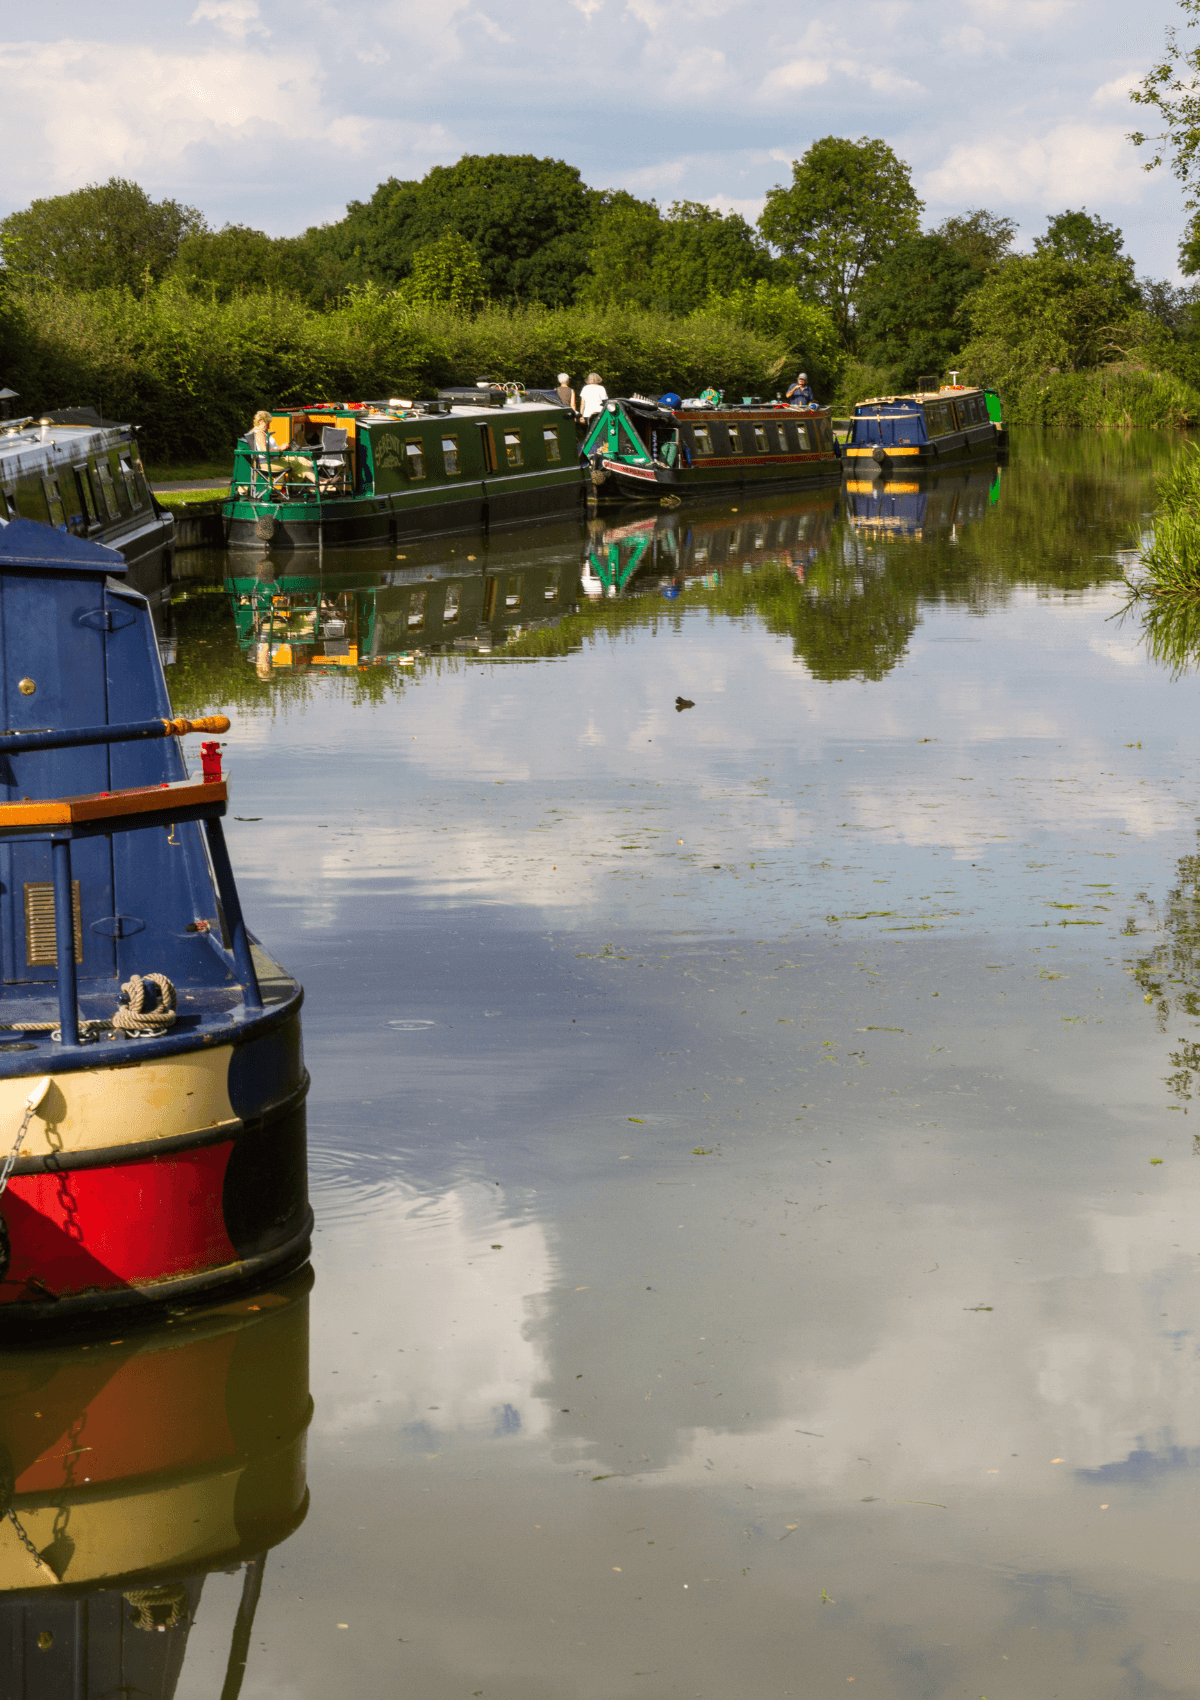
(898, 434)
(648, 450)
(349, 473)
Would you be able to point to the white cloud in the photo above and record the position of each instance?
(1117, 92)
(238, 18)
(1071, 163)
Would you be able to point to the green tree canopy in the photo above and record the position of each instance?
(1084, 237)
(1041, 312)
(529, 220)
(776, 310)
(236, 259)
(910, 307)
(670, 262)
(982, 237)
(848, 204)
(446, 270)
(620, 260)
(106, 235)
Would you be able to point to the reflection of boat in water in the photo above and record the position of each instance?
(475, 598)
(132, 1470)
(152, 1082)
(932, 504)
(700, 542)
(647, 449)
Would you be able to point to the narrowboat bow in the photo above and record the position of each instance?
(152, 1085)
(643, 449)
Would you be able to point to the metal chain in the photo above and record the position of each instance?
(26, 1542)
(10, 1162)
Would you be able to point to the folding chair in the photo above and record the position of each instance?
(333, 461)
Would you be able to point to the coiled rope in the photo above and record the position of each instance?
(133, 1019)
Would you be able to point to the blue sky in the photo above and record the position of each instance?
(276, 115)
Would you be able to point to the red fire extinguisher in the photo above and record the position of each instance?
(210, 762)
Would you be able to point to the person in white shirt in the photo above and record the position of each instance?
(592, 397)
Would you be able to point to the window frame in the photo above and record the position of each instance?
(552, 445)
(414, 453)
(513, 439)
(453, 453)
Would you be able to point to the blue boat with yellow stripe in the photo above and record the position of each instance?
(935, 427)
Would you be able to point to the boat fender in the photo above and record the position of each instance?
(879, 454)
(265, 525)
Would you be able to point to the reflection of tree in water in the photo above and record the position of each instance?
(1169, 971)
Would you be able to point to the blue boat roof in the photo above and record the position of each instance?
(34, 547)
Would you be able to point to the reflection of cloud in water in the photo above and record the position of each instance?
(439, 1340)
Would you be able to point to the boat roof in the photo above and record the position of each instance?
(372, 413)
(916, 396)
(26, 545)
(57, 436)
(733, 410)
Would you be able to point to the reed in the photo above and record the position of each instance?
(1169, 559)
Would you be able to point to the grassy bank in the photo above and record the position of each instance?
(1170, 559)
(190, 373)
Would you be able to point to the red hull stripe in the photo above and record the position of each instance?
(109, 1228)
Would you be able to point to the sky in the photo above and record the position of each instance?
(276, 115)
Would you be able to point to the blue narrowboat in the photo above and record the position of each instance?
(152, 1083)
(900, 434)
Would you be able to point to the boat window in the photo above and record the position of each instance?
(107, 489)
(760, 440)
(512, 448)
(703, 440)
(783, 442)
(512, 592)
(550, 593)
(450, 456)
(553, 451)
(414, 454)
(54, 503)
(453, 604)
(129, 477)
(736, 445)
(416, 611)
(85, 493)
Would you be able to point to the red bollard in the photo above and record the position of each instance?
(210, 762)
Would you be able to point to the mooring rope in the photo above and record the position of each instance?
(133, 1019)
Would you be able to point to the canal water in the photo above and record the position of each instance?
(753, 1008)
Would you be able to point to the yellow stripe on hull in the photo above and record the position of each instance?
(128, 1104)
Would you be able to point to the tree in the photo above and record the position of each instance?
(237, 259)
(529, 220)
(910, 307)
(1041, 312)
(1084, 237)
(701, 251)
(982, 237)
(107, 235)
(625, 239)
(1172, 88)
(777, 310)
(849, 204)
(447, 271)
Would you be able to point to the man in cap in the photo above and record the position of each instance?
(800, 395)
